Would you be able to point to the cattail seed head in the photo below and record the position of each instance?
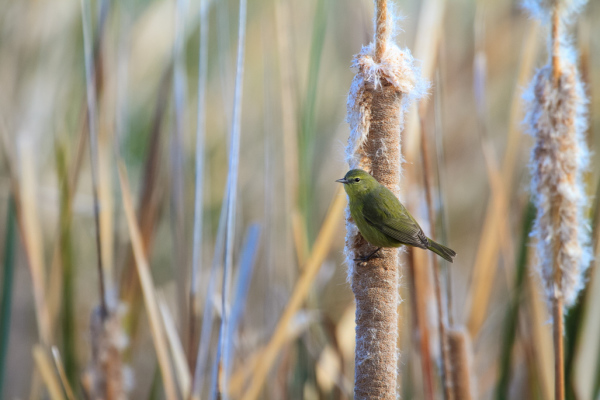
(461, 356)
(396, 68)
(556, 118)
(107, 377)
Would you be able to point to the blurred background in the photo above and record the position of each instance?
(479, 57)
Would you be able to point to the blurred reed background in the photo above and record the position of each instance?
(288, 309)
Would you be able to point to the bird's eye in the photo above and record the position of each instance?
(357, 180)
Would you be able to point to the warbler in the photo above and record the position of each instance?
(381, 219)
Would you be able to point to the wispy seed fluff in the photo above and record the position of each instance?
(556, 118)
(396, 67)
(542, 9)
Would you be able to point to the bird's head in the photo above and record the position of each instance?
(358, 182)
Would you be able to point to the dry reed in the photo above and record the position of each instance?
(46, 369)
(197, 254)
(149, 294)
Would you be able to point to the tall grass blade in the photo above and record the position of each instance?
(8, 262)
(30, 225)
(181, 366)
(243, 280)
(60, 368)
(200, 369)
(148, 291)
(232, 181)
(44, 366)
(90, 75)
(69, 328)
(177, 172)
(199, 173)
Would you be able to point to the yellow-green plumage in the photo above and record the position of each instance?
(380, 217)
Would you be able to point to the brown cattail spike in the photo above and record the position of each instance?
(385, 83)
(106, 377)
(459, 343)
(375, 283)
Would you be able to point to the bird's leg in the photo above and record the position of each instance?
(368, 257)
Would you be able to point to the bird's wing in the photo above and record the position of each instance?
(385, 212)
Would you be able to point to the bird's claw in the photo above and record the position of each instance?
(366, 258)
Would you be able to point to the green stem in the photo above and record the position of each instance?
(69, 333)
(7, 288)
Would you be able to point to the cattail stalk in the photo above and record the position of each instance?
(379, 95)
(556, 119)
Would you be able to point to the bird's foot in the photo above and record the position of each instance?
(373, 254)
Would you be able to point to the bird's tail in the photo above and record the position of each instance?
(442, 251)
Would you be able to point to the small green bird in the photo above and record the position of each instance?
(381, 219)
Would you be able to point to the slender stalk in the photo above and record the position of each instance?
(559, 358)
(556, 69)
(7, 287)
(207, 315)
(234, 159)
(69, 331)
(242, 286)
(199, 177)
(148, 290)
(439, 147)
(61, 373)
(177, 156)
(91, 105)
(382, 29)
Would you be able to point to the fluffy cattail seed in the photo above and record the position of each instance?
(556, 118)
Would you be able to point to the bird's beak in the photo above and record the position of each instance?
(343, 180)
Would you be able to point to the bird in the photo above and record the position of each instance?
(382, 219)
